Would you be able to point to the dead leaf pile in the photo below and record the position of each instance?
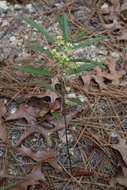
(103, 77)
(121, 176)
(114, 15)
(31, 114)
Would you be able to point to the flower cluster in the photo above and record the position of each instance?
(61, 54)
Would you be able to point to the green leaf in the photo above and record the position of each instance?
(33, 70)
(39, 28)
(85, 67)
(46, 86)
(64, 25)
(75, 100)
(85, 59)
(39, 49)
(88, 42)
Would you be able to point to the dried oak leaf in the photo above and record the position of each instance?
(46, 133)
(99, 75)
(47, 92)
(47, 155)
(114, 75)
(31, 179)
(121, 147)
(95, 75)
(27, 112)
(111, 13)
(3, 130)
(30, 114)
(114, 14)
(121, 177)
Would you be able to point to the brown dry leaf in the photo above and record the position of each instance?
(99, 75)
(32, 179)
(121, 177)
(95, 75)
(47, 93)
(114, 14)
(121, 147)
(56, 106)
(47, 155)
(113, 74)
(30, 114)
(27, 112)
(3, 130)
(46, 133)
(43, 111)
(53, 96)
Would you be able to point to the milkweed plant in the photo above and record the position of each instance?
(61, 50)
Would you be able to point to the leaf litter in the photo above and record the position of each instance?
(121, 177)
(84, 124)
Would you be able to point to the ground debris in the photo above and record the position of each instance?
(121, 174)
(104, 77)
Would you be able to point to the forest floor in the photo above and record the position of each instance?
(33, 147)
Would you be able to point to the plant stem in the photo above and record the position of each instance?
(65, 121)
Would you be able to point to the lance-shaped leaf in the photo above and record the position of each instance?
(75, 100)
(39, 49)
(88, 42)
(33, 70)
(40, 29)
(46, 86)
(85, 59)
(82, 68)
(64, 26)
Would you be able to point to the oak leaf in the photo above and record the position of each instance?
(48, 155)
(24, 111)
(121, 177)
(31, 179)
(99, 76)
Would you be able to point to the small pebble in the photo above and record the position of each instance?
(12, 39)
(72, 95)
(83, 98)
(30, 8)
(17, 7)
(13, 110)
